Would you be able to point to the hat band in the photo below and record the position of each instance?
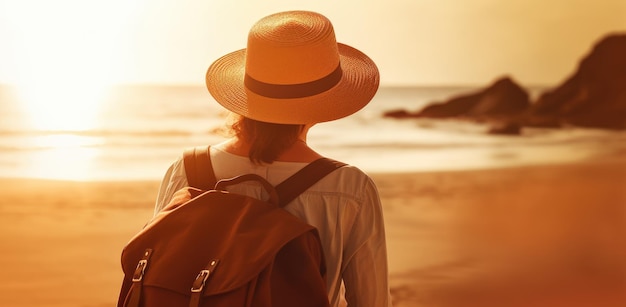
(300, 90)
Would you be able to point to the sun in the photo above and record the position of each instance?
(65, 57)
(67, 54)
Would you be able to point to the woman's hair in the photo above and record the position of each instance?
(267, 140)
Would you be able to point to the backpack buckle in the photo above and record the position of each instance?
(198, 284)
(140, 270)
(200, 281)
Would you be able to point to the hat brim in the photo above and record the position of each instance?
(357, 87)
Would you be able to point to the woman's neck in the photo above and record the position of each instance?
(298, 152)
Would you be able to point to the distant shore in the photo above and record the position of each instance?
(526, 236)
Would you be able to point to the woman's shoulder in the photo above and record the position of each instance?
(348, 177)
(352, 171)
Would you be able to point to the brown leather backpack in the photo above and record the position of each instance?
(224, 249)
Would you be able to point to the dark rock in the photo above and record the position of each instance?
(399, 114)
(542, 121)
(506, 128)
(595, 96)
(457, 106)
(504, 98)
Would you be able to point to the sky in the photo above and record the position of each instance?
(414, 42)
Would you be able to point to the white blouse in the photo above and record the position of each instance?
(344, 207)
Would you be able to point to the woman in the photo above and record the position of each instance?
(293, 75)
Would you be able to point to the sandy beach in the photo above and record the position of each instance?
(530, 236)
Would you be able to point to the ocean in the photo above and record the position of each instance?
(135, 132)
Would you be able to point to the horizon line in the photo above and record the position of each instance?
(382, 85)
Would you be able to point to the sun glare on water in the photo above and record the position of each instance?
(67, 54)
(62, 156)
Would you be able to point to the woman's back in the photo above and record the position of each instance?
(344, 207)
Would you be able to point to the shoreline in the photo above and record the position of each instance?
(549, 235)
(614, 158)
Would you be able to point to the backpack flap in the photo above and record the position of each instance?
(217, 226)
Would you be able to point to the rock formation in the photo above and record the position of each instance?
(595, 96)
(502, 99)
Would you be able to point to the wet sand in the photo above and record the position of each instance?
(529, 236)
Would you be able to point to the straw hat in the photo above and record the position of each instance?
(293, 72)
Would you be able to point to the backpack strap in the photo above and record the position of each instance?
(133, 297)
(198, 168)
(299, 182)
(200, 174)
